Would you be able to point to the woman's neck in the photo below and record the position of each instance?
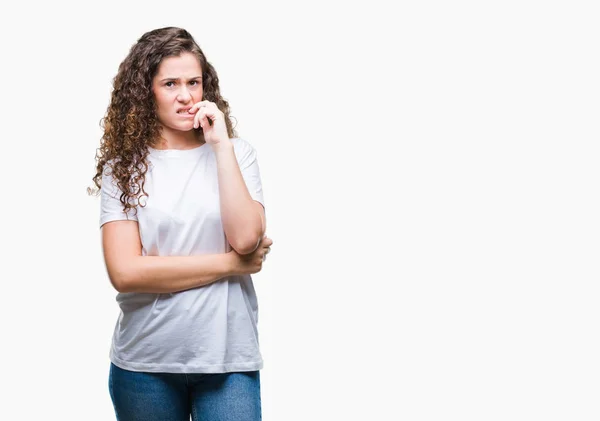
(179, 140)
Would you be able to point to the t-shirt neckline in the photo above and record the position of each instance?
(177, 152)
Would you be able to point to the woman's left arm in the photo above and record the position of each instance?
(243, 218)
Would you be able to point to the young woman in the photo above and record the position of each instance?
(183, 228)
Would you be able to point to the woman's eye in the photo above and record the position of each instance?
(193, 82)
(169, 84)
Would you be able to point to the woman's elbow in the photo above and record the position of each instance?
(245, 245)
(120, 281)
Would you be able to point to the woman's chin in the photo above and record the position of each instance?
(183, 126)
(186, 127)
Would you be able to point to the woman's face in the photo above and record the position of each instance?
(177, 86)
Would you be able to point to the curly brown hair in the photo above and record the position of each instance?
(131, 123)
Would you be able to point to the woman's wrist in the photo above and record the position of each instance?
(222, 146)
(230, 266)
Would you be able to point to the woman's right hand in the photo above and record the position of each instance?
(244, 264)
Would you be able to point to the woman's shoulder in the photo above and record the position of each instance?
(242, 147)
(239, 142)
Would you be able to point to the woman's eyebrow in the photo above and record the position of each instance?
(176, 78)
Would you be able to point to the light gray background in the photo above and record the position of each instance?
(431, 178)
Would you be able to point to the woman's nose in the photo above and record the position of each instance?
(184, 95)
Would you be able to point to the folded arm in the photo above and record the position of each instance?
(243, 218)
(129, 271)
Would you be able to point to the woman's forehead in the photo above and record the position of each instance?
(184, 65)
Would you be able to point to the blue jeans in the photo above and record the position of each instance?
(140, 396)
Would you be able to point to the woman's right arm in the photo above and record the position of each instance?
(129, 271)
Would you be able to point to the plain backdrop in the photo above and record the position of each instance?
(431, 176)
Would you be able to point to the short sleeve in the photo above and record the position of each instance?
(111, 208)
(248, 162)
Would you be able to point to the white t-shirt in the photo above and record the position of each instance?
(210, 329)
